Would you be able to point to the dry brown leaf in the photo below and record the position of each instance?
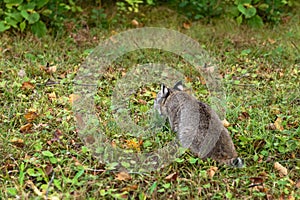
(257, 180)
(123, 176)
(271, 41)
(18, 142)
(243, 116)
(26, 128)
(51, 69)
(281, 169)
(278, 124)
(225, 123)
(129, 188)
(186, 25)
(30, 115)
(172, 177)
(48, 69)
(135, 23)
(27, 86)
(211, 171)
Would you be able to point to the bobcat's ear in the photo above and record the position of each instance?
(178, 86)
(164, 90)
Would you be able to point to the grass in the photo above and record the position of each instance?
(41, 152)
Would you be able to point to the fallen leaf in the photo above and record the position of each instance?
(129, 188)
(211, 171)
(256, 180)
(18, 142)
(225, 123)
(281, 169)
(243, 116)
(26, 128)
(30, 115)
(123, 176)
(278, 124)
(186, 25)
(27, 86)
(51, 69)
(271, 41)
(134, 144)
(172, 177)
(135, 23)
(48, 69)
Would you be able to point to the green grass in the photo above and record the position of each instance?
(260, 69)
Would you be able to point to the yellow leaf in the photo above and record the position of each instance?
(133, 144)
(278, 124)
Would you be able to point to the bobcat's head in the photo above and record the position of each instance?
(163, 94)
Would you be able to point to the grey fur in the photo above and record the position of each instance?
(197, 125)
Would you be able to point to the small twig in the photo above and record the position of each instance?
(96, 170)
(57, 83)
(49, 184)
(293, 43)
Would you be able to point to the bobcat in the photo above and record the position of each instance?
(198, 127)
